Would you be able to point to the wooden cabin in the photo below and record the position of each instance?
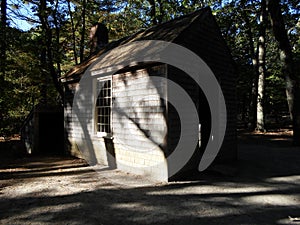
(128, 123)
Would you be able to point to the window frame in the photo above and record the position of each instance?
(103, 133)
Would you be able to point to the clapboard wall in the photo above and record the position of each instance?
(205, 39)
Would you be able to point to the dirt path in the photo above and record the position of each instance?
(68, 191)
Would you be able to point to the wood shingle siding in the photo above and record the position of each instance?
(146, 127)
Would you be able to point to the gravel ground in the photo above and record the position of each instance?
(52, 190)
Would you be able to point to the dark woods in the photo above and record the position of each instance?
(263, 37)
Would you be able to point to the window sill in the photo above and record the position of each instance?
(105, 135)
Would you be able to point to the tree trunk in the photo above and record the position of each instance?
(260, 123)
(57, 41)
(2, 57)
(153, 12)
(253, 54)
(286, 56)
(160, 17)
(73, 33)
(48, 45)
(3, 36)
(81, 54)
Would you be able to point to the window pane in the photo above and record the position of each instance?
(103, 106)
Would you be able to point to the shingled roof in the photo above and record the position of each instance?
(167, 31)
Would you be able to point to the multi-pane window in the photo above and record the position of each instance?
(103, 106)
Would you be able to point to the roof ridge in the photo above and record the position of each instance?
(168, 35)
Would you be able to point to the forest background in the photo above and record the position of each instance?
(41, 40)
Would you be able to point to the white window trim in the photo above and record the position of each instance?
(98, 133)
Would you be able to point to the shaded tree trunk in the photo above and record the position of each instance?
(160, 17)
(153, 12)
(83, 26)
(3, 36)
(260, 119)
(48, 45)
(286, 56)
(57, 41)
(2, 58)
(73, 33)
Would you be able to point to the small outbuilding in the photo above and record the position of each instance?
(43, 130)
(123, 112)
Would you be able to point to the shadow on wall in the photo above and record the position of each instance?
(111, 156)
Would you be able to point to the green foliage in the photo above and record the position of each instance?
(21, 79)
(61, 28)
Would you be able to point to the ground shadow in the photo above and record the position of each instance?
(264, 191)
